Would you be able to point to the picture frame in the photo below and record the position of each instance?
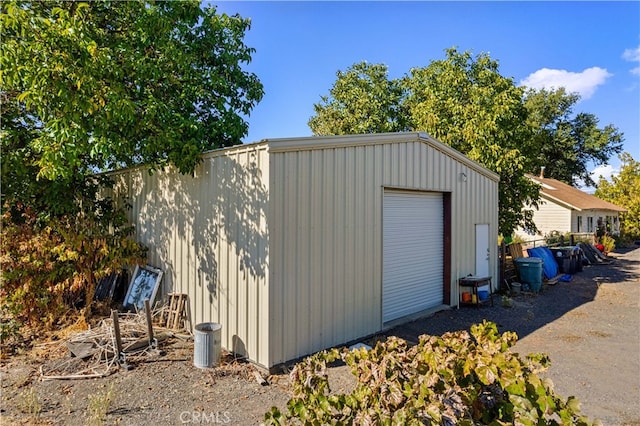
(144, 285)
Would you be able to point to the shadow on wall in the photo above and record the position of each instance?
(187, 218)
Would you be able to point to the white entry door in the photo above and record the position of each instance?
(482, 250)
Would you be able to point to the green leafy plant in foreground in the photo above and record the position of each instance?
(456, 379)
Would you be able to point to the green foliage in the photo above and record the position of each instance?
(624, 191)
(459, 378)
(464, 102)
(608, 242)
(518, 239)
(362, 100)
(93, 86)
(88, 87)
(9, 327)
(101, 85)
(563, 142)
(52, 267)
(554, 238)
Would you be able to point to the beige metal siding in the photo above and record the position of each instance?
(209, 234)
(281, 241)
(324, 280)
(326, 231)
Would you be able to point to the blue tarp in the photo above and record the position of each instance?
(549, 265)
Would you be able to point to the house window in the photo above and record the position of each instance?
(600, 227)
(589, 224)
(579, 224)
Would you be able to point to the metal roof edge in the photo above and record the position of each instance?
(446, 149)
(342, 141)
(305, 143)
(227, 149)
(206, 154)
(337, 141)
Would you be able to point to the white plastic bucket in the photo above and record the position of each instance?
(516, 287)
(206, 346)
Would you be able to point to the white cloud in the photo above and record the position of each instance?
(632, 55)
(606, 171)
(585, 83)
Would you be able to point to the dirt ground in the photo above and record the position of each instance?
(589, 326)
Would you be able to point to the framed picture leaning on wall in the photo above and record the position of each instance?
(144, 285)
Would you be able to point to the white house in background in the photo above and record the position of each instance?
(564, 208)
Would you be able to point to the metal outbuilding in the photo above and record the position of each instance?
(296, 245)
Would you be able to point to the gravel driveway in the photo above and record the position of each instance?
(590, 328)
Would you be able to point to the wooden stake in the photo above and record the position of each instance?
(116, 330)
(147, 310)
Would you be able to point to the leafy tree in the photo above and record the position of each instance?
(362, 100)
(88, 87)
(624, 191)
(464, 102)
(102, 85)
(563, 142)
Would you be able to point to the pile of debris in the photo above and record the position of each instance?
(118, 341)
(594, 256)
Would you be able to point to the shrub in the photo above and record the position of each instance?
(459, 378)
(557, 238)
(51, 266)
(608, 242)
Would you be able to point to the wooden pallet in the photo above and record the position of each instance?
(516, 250)
(175, 314)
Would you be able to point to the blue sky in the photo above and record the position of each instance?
(588, 47)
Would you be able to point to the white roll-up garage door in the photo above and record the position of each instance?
(412, 270)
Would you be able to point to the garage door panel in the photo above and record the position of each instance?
(412, 253)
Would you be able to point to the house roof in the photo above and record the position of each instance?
(561, 193)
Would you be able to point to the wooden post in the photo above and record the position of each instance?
(116, 331)
(147, 310)
(503, 261)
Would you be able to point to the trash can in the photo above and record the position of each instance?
(579, 259)
(206, 346)
(565, 259)
(530, 271)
